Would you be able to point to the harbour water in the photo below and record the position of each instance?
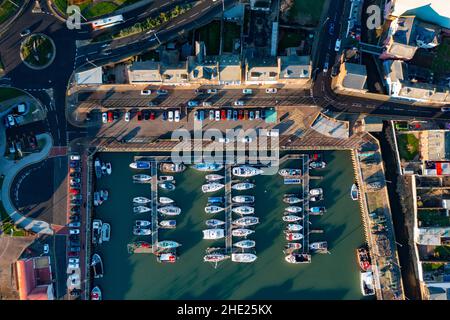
(140, 276)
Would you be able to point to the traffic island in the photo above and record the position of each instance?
(37, 51)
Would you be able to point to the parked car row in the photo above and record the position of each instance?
(75, 202)
(167, 115)
(230, 114)
(23, 143)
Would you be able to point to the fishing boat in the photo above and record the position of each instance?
(291, 218)
(241, 232)
(141, 200)
(165, 178)
(106, 232)
(294, 227)
(291, 247)
(141, 209)
(212, 187)
(246, 171)
(214, 223)
(320, 247)
(140, 165)
(207, 167)
(290, 172)
(292, 181)
(170, 210)
(354, 193)
(213, 209)
(246, 221)
(245, 244)
(169, 167)
(243, 199)
(96, 293)
(363, 257)
(108, 168)
(215, 257)
(215, 200)
(214, 177)
(168, 224)
(97, 266)
(142, 177)
(242, 186)
(137, 231)
(297, 258)
(166, 185)
(167, 257)
(293, 209)
(243, 210)
(103, 168)
(317, 164)
(291, 200)
(367, 283)
(142, 223)
(294, 236)
(98, 168)
(243, 257)
(165, 200)
(168, 244)
(317, 210)
(212, 234)
(97, 231)
(316, 192)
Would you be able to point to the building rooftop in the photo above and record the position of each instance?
(295, 67)
(355, 77)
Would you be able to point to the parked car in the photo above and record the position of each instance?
(73, 254)
(152, 115)
(201, 115)
(206, 104)
(246, 139)
(211, 91)
(164, 116)
(245, 114)
(139, 116)
(74, 249)
(146, 92)
(104, 117)
(75, 157)
(76, 197)
(239, 103)
(74, 243)
(177, 116)
(257, 115)
(146, 115)
(199, 91)
(76, 202)
(46, 248)
(127, 116)
(223, 114)
(251, 115)
(74, 263)
(337, 45)
(263, 114)
(116, 115)
(211, 114)
(273, 133)
(74, 231)
(229, 114)
(235, 115)
(170, 116)
(247, 91)
(192, 103)
(25, 33)
(10, 119)
(241, 115)
(331, 28)
(74, 237)
(110, 116)
(217, 117)
(152, 103)
(271, 90)
(162, 92)
(76, 224)
(75, 209)
(75, 180)
(445, 109)
(224, 140)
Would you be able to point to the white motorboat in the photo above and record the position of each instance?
(142, 177)
(317, 164)
(316, 192)
(243, 210)
(98, 168)
(208, 167)
(141, 200)
(97, 231)
(108, 168)
(165, 178)
(242, 186)
(97, 266)
(138, 231)
(320, 246)
(167, 185)
(165, 200)
(246, 171)
(294, 227)
(170, 210)
(293, 209)
(291, 218)
(214, 177)
(297, 258)
(167, 257)
(141, 209)
(294, 236)
(214, 223)
(243, 199)
(168, 244)
(367, 283)
(215, 257)
(213, 209)
(291, 200)
(106, 232)
(140, 165)
(354, 193)
(246, 221)
(212, 187)
(169, 167)
(243, 257)
(168, 224)
(241, 232)
(142, 223)
(212, 234)
(245, 244)
(290, 172)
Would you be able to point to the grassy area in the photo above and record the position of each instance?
(90, 10)
(210, 34)
(408, 146)
(429, 267)
(99, 9)
(7, 226)
(433, 218)
(231, 31)
(7, 9)
(61, 5)
(442, 253)
(306, 12)
(9, 93)
(441, 62)
(289, 38)
(37, 50)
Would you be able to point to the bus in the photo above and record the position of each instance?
(107, 22)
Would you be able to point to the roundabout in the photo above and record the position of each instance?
(37, 51)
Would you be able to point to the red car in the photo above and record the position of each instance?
(73, 254)
(241, 115)
(152, 115)
(110, 116)
(223, 114)
(139, 116)
(74, 191)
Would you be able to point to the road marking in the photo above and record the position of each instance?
(195, 14)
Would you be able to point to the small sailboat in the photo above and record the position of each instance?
(168, 224)
(290, 172)
(212, 234)
(214, 223)
(165, 200)
(141, 209)
(354, 193)
(291, 199)
(241, 232)
(243, 199)
(294, 227)
(291, 218)
(246, 221)
(243, 257)
(297, 258)
(167, 185)
(214, 177)
(138, 231)
(213, 209)
(246, 171)
(96, 294)
(108, 168)
(245, 244)
(140, 165)
(142, 177)
(212, 187)
(170, 210)
(208, 167)
(141, 200)
(293, 209)
(293, 236)
(243, 210)
(242, 186)
(168, 244)
(142, 223)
